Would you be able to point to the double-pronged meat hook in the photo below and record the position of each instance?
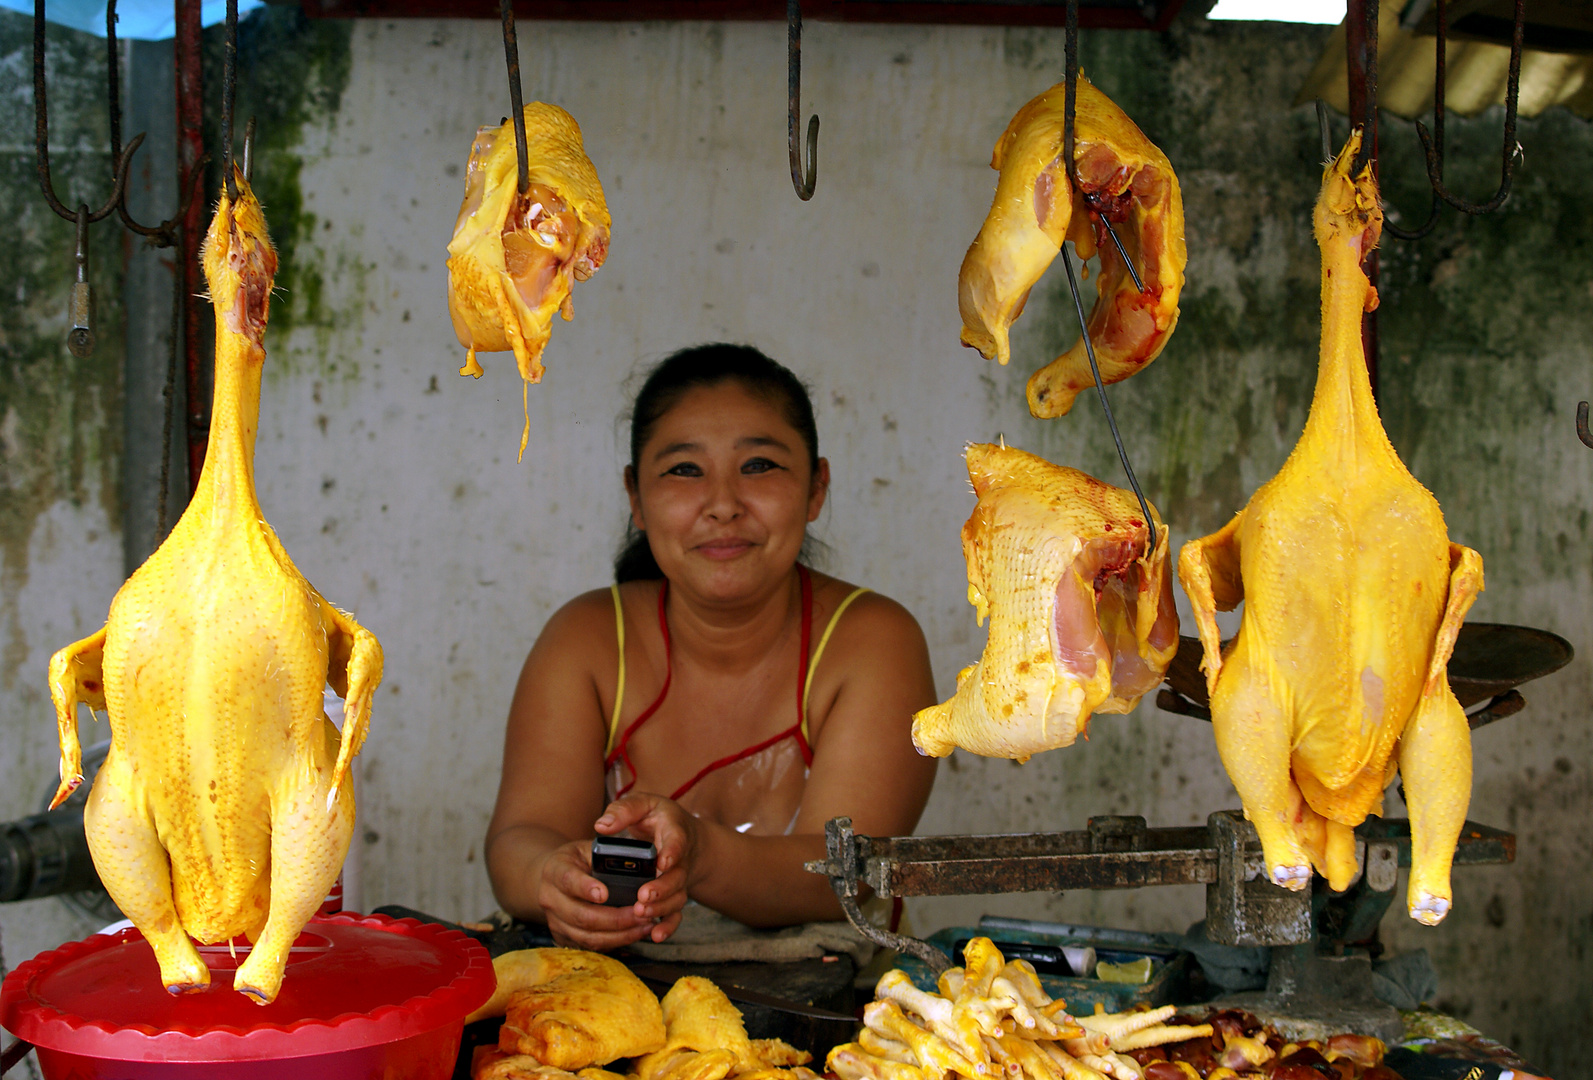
(164, 234)
(803, 182)
(80, 338)
(1581, 425)
(511, 52)
(1433, 141)
(1071, 75)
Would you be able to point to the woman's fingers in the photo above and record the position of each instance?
(625, 812)
(665, 928)
(664, 895)
(570, 872)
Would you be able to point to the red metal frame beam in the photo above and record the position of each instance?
(1108, 14)
(1362, 68)
(190, 149)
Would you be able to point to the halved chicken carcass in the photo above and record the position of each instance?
(513, 256)
(1081, 613)
(1123, 178)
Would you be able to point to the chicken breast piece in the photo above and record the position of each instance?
(1081, 614)
(514, 255)
(1123, 178)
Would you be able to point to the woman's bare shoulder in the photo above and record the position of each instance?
(872, 621)
(581, 626)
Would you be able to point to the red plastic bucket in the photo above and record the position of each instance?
(364, 996)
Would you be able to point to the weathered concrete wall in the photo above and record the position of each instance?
(60, 424)
(394, 485)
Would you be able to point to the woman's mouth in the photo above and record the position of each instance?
(726, 548)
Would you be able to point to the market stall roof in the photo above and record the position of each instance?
(1116, 14)
(1477, 65)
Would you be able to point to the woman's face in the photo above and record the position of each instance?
(724, 491)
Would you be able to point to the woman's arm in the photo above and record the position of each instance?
(875, 675)
(538, 848)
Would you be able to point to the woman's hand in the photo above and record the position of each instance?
(571, 900)
(676, 836)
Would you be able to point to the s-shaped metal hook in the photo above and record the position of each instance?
(804, 184)
(1581, 425)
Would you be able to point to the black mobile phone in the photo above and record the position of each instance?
(624, 866)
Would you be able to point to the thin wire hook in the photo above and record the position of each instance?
(1071, 75)
(804, 184)
(1128, 262)
(1106, 406)
(1581, 425)
(511, 52)
(41, 136)
(1512, 148)
(1440, 81)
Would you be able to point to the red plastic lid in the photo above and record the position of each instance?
(352, 981)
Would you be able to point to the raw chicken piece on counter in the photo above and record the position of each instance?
(1123, 178)
(222, 808)
(1081, 613)
(514, 256)
(567, 1011)
(1353, 596)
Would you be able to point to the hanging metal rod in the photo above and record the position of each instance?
(804, 182)
(229, 91)
(511, 52)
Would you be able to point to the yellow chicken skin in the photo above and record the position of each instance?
(575, 1009)
(1121, 176)
(1353, 596)
(705, 1036)
(222, 807)
(513, 256)
(1081, 614)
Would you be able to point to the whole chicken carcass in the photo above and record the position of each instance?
(1353, 596)
(1122, 178)
(514, 254)
(1081, 613)
(223, 807)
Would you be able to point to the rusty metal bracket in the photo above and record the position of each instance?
(1242, 906)
(842, 865)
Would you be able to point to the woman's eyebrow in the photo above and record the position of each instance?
(761, 440)
(677, 448)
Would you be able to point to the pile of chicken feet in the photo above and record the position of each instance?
(993, 1021)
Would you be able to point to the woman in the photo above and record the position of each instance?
(721, 700)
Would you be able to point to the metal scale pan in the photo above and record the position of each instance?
(1490, 660)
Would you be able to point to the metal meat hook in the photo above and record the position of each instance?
(804, 184)
(1581, 425)
(41, 136)
(164, 234)
(1433, 142)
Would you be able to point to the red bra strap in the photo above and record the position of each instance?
(802, 678)
(622, 750)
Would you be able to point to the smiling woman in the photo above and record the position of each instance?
(714, 701)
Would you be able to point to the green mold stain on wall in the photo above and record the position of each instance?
(60, 435)
(292, 72)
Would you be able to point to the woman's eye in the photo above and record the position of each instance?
(685, 468)
(759, 465)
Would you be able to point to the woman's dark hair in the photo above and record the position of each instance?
(690, 369)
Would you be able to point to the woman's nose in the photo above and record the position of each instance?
(724, 500)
